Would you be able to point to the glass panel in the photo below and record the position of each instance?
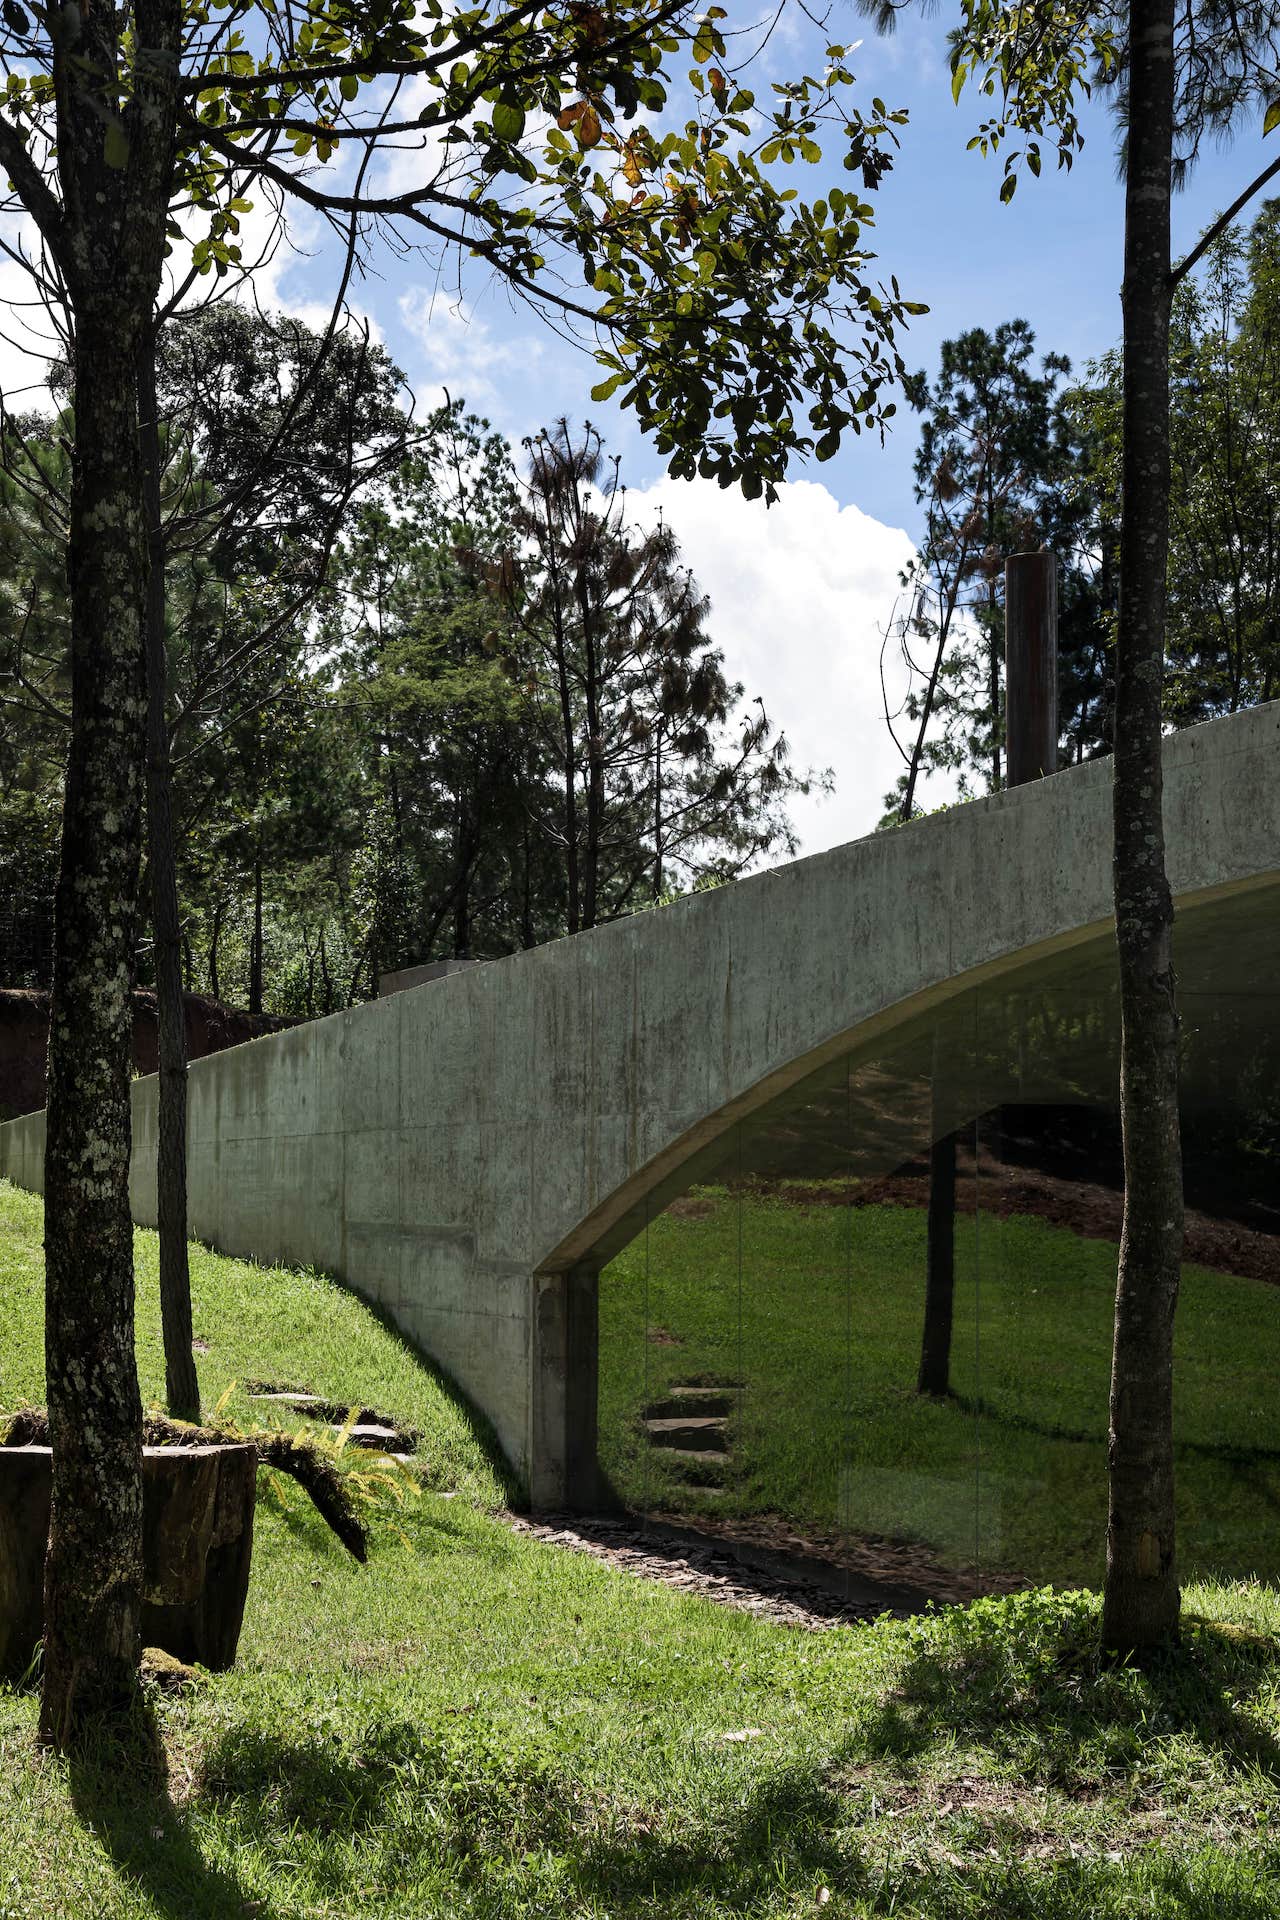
(1227, 1332)
(789, 1430)
(622, 1385)
(776, 1363)
(1049, 1197)
(692, 1343)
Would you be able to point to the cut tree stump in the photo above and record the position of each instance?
(197, 1521)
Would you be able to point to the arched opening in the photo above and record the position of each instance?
(874, 1328)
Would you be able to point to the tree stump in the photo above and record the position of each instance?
(197, 1544)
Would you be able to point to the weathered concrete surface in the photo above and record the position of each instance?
(468, 1153)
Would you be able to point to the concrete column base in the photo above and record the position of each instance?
(564, 1476)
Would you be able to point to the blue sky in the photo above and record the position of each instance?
(801, 595)
(1053, 257)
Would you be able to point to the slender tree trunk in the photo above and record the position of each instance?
(595, 760)
(940, 1281)
(215, 932)
(993, 660)
(255, 943)
(527, 939)
(182, 1389)
(657, 812)
(567, 730)
(1141, 1600)
(462, 917)
(93, 1572)
(325, 976)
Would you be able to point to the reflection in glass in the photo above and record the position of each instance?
(784, 1359)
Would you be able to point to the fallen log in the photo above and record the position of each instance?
(296, 1455)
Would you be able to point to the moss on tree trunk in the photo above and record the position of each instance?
(94, 1568)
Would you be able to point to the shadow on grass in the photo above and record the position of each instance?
(486, 1813)
(120, 1793)
(772, 1850)
(1026, 1679)
(1227, 1452)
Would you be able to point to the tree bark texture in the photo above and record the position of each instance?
(182, 1388)
(1141, 1599)
(94, 1569)
(108, 236)
(197, 1544)
(255, 942)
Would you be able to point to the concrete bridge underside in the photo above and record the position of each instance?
(469, 1154)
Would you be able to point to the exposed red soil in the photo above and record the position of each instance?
(24, 1039)
(1092, 1209)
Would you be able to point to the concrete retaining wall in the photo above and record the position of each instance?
(468, 1153)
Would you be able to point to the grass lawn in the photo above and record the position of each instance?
(817, 1310)
(480, 1725)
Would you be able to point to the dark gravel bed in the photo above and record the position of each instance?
(716, 1571)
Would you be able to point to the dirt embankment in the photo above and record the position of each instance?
(24, 1039)
(1062, 1163)
(1093, 1211)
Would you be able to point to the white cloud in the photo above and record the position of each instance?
(460, 351)
(800, 596)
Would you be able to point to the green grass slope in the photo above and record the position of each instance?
(257, 1327)
(818, 1311)
(478, 1725)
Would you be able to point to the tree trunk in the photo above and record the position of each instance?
(215, 932)
(595, 758)
(325, 976)
(940, 1281)
(93, 1571)
(1141, 1600)
(182, 1388)
(527, 938)
(657, 811)
(255, 943)
(572, 881)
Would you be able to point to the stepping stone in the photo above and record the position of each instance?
(694, 1400)
(705, 1432)
(367, 1434)
(696, 1457)
(371, 1428)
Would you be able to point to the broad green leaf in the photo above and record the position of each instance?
(1272, 120)
(508, 120)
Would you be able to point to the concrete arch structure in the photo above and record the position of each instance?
(469, 1153)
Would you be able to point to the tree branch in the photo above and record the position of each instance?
(1221, 224)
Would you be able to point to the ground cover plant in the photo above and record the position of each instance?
(817, 1310)
(475, 1724)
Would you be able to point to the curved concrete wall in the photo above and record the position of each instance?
(469, 1152)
